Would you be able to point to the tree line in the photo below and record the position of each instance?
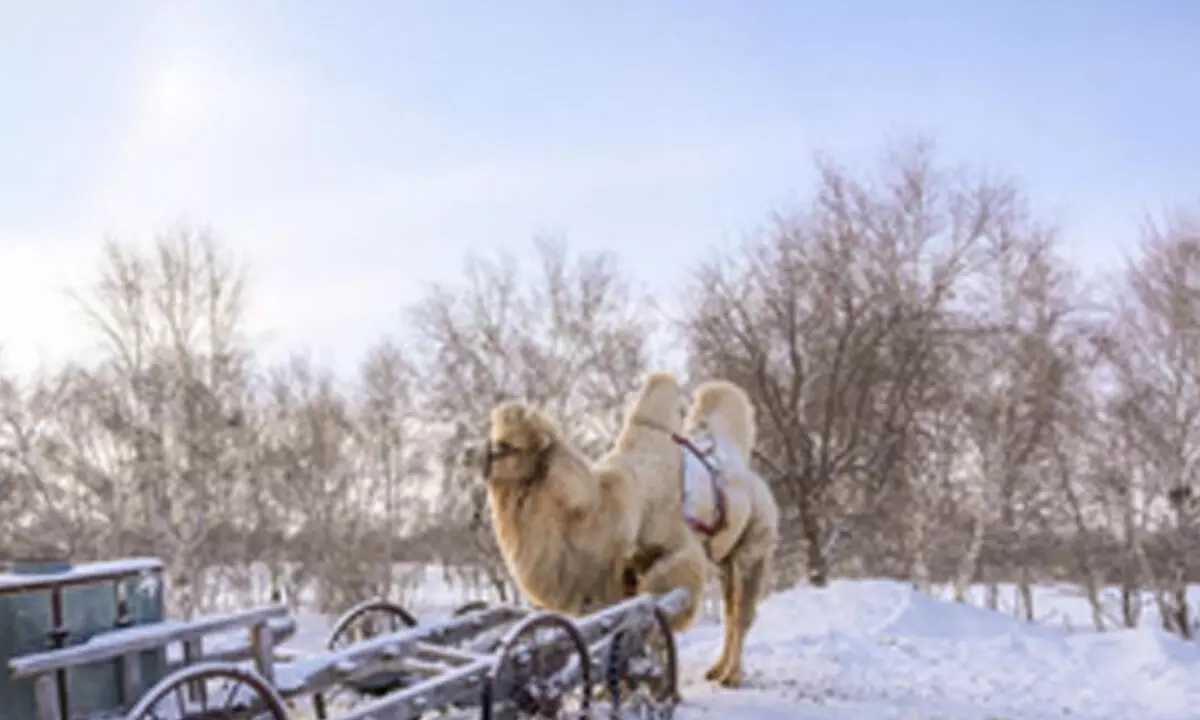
(942, 397)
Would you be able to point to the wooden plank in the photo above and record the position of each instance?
(193, 651)
(425, 667)
(449, 653)
(595, 625)
(437, 692)
(45, 694)
(262, 647)
(131, 678)
(112, 645)
(287, 654)
(385, 653)
(240, 650)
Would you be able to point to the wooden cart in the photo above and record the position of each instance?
(379, 663)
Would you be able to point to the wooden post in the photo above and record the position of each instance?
(262, 645)
(192, 651)
(131, 678)
(45, 694)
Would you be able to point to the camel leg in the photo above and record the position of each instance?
(753, 578)
(684, 568)
(730, 589)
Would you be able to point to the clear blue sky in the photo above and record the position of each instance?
(353, 150)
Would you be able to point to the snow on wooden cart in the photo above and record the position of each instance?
(379, 662)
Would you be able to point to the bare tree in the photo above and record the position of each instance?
(835, 318)
(1118, 485)
(1020, 366)
(169, 387)
(71, 466)
(394, 443)
(13, 487)
(46, 514)
(567, 333)
(317, 495)
(1155, 355)
(936, 401)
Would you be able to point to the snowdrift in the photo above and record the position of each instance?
(870, 650)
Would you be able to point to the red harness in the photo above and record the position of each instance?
(719, 499)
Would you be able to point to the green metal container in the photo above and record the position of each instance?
(50, 604)
(145, 605)
(24, 625)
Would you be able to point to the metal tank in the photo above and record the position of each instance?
(47, 604)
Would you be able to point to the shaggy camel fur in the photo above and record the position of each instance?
(667, 554)
(579, 537)
(565, 530)
(721, 418)
(732, 514)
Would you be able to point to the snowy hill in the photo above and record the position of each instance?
(870, 650)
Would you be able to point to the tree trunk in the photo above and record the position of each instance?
(1082, 546)
(1183, 613)
(1025, 591)
(814, 548)
(1182, 610)
(1130, 604)
(1160, 597)
(992, 600)
(968, 565)
(499, 584)
(919, 564)
(1131, 589)
(816, 565)
(1091, 588)
(1095, 602)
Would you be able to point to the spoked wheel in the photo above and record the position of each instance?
(542, 670)
(471, 607)
(641, 671)
(367, 620)
(210, 691)
(370, 619)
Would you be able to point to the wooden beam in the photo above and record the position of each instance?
(131, 678)
(111, 645)
(386, 653)
(237, 651)
(262, 647)
(450, 653)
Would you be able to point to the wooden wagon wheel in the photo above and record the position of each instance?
(364, 621)
(470, 607)
(210, 691)
(642, 668)
(533, 671)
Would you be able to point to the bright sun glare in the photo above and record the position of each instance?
(174, 99)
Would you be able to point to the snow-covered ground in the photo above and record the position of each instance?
(875, 650)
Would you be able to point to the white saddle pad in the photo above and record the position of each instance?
(699, 490)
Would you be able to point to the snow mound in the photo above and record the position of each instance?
(888, 608)
(878, 649)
